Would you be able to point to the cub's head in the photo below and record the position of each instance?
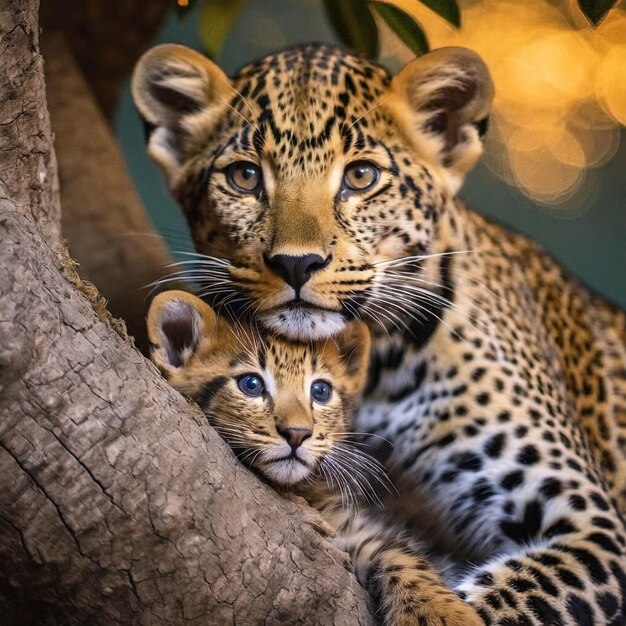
(285, 408)
(308, 174)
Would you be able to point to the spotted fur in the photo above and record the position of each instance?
(500, 381)
(208, 358)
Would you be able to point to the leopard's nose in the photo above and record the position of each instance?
(295, 436)
(296, 270)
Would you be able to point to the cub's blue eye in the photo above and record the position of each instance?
(321, 391)
(251, 385)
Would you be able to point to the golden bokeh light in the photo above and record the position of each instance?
(611, 83)
(560, 88)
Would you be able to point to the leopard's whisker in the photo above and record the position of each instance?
(376, 319)
(423, 295)
(426, 297)
(421, 257)
(189, 277)
(328, 467)
(360, 434)
(391, 302)
(395, 319)
(355, 476)
(375, 468)
(377, 104)
(403, 277)
(243, 99)
(203, 257)
(381, 311)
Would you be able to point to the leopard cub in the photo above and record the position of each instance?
(285, 408)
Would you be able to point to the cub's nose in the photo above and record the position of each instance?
(296, 270)
(295, 436)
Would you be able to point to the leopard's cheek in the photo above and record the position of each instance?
(348, 274)
(244, 422)
(244, 223)
(265, 288)
(330, 427)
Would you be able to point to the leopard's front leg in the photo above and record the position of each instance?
(405, 587)
(577, 579)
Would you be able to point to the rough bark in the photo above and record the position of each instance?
(104, 222)
(118, 503)
(27, 161)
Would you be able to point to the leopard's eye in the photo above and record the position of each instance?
(321, 391)
(251, 385)
(360, 176)
(244, 176)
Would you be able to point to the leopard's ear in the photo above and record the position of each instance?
(443, 100)
(179, 326)
(354, 344)
(179, 93)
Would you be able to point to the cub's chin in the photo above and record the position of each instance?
(287, 472)
(303, 324)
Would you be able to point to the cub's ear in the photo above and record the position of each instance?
(354, 344)
(444, 99)
(179, 326)
(179, 93)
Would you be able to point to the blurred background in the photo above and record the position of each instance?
(555, 159)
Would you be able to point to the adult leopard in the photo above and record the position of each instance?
(321, 189)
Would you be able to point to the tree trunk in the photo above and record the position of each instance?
(118, 503)
(106, 38)
(104, 222)
(28, 167)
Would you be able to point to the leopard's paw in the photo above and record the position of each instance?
(440, 608)
(452, 616)
(319, 524)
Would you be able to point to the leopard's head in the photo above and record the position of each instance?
(310, 172)
(284, 407)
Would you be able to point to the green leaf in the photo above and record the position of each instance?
(355, 25)
(409, 31)
(596, 10)
(215, 21)
(448, 9)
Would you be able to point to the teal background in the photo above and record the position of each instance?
(589, 240)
